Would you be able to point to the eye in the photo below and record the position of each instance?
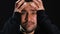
(23, 12)
(33, 12)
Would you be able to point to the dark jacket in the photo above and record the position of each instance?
(45, 25)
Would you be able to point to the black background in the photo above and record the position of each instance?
(51, 6)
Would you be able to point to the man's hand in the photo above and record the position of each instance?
(37, 4)
(19, 5)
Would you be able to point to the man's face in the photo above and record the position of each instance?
(29, 18)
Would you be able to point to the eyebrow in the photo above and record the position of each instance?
(33, 11)
(23, 11)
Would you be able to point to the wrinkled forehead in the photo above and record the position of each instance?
(29, 8)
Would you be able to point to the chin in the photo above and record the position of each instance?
(30, 30)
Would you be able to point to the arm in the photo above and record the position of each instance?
(12, 24)
(46, 23)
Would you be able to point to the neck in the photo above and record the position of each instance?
(28, 33)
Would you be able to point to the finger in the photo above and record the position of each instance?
(20, 3)
(40, 2)
(37, 3)
(41, 7)
(33, 5)
(22, 7)
(16, 4)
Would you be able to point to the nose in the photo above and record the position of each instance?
(28, 17)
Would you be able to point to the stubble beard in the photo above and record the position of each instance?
(27, 29)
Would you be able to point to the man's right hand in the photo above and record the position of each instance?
(19, 5)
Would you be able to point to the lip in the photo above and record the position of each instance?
(29, 24)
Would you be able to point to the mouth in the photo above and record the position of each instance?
(28, 24)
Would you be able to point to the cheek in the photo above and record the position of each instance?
(35, 18)
(22, 18)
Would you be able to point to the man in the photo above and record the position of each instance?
(28, 13)
(29, 16)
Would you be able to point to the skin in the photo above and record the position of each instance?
(28, 14)
(37, 4)
(29, 19)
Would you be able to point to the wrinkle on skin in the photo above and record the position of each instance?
(28, 12)
(29, 18)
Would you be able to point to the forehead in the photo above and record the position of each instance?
(29, 8)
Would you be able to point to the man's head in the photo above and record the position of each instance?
(29, 18)
(28, 12)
